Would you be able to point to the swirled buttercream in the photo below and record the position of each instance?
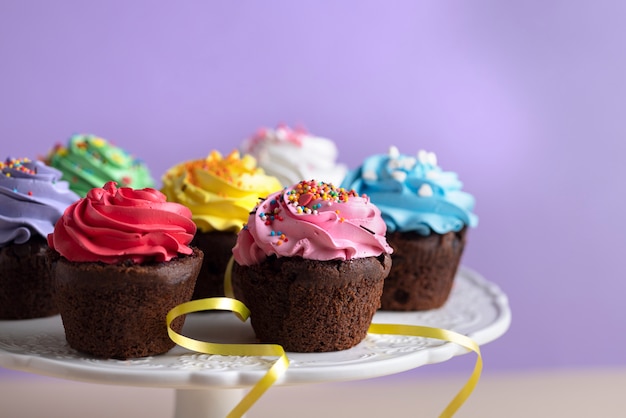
(312, 220)
(114, 224)
(292, 155)
(32, 199)
(220, 191)
(414, 193)
(88, 161)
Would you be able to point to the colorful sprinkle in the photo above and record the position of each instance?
(307, 198)
(16, 165)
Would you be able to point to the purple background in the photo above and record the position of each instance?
(525, 100)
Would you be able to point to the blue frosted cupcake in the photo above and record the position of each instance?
(427, 216)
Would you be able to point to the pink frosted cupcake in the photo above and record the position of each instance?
(310, 265)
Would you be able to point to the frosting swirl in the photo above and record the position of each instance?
(115, 224)
(219, 191)
(312, 220)
(32, 199)
(89, 161)
(292, 155)
(414, 193)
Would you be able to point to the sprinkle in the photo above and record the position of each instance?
(30, 193)
(425, 157)
(425, 190)
(368, 230)
(370, 175)
(399, 175)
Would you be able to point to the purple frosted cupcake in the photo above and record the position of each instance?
(32, 199)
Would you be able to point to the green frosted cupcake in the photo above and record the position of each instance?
(88, 161)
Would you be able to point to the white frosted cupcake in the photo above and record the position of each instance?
(292, 155)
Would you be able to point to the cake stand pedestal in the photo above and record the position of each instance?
(206, 403)
(209, 386)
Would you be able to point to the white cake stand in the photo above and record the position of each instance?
(209, 386)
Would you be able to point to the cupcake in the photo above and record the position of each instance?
(88, 161)
(220, 192)
(32, 199)
(121, 261)
(292, 155)
(427, 216)
(310, 265)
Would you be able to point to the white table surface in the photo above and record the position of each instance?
(555, 393)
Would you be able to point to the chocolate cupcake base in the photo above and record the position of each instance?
(118, 310)
(26, 285)
(423, 270)
(312, 306)
(217, 248)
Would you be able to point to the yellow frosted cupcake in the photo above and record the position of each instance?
(221, 192)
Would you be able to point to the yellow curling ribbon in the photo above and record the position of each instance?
(222, 303)
(282, 363)
(444, 335)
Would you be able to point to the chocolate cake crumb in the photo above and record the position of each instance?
(423, 269)
(312, 306)
(118, 310)
(26, 286)
(217, 248)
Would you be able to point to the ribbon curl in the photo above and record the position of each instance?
(444, 335)
(280, 366)
(227, 304)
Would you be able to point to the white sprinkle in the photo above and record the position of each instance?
(425, 190)
(399, 175)
(431, 158)
(425, 157)
(370, 175)
(408, 163)
(394, 152)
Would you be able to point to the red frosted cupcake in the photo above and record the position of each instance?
(121, 260)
